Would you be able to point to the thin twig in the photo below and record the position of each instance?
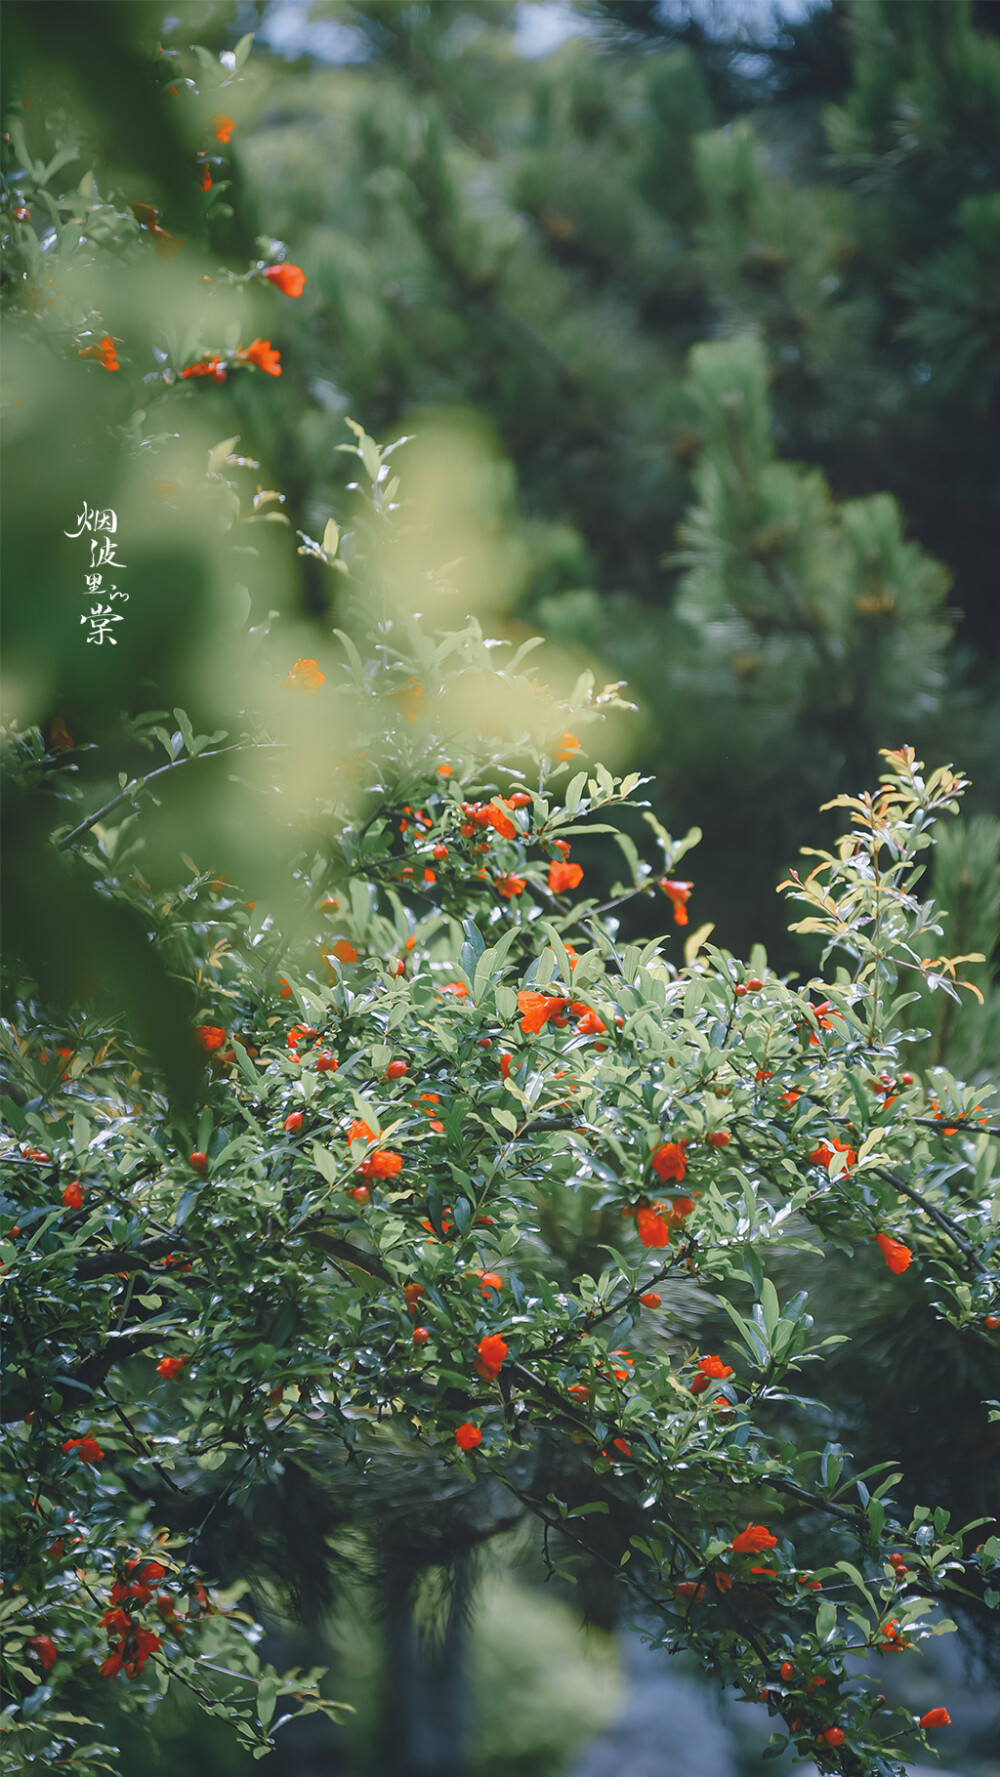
(943, 1221)
(140, 1441)
(138, 784)
(975, 1128)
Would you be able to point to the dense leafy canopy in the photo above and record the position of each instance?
(394, 1135)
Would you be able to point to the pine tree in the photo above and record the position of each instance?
(547, 242)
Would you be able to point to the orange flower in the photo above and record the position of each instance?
(360, 1131)
(679, 1210)
(444, 771)
(492, 814)
(935, 1718)
(305, 676)
(59, 735)
(223, 126)
(489, 1280)
(170, 1367)
(384, 1163)
(344, 951)
(492, 1351)
(206, 177)
(290, 279)
(457, 989)
(824, 1013)
(213, 367)
(261, 353)
(651, 1299)
(590, 1025)
(678, 893)
(131, 1654)
(46, 1652)
(210, 1037)
(753, 1540)
(653, 1230)
(670, 1161)
(565, 747)
(468, 1436)
(896, 1255)
(538, 1008)
(714, 1366)
(104, 352)
(509, 886)
(823, 1155)
(90, 1450)
(73, 1195)
(692, 1590)
(167, 244)
(563, 876)
(410, 699)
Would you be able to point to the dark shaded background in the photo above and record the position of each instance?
(523, 252)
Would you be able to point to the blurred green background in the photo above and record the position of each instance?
(695, 312)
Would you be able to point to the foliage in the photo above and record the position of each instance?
(428, 1133)
(545, 241)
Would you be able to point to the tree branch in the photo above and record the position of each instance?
(138, 784)
(943, 1221)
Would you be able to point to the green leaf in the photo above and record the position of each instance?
(183, 721)
(245, 1064)
(752, 1338)
(627, 847)
(560, 952)
(219, 453)
(853, 1574)
(326, 1163)
(770, 1307)
(267, 1697)
(574, 791)
(357, 664)
(505, 1000)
